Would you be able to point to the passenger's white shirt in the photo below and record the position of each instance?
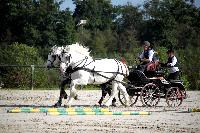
(151, 53)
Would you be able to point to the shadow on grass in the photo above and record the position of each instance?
(45, 106)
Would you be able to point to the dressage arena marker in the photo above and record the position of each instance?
(73, 111)
(193, 109)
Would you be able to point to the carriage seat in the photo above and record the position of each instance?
(137, 76)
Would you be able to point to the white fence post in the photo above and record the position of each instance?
(32, 75)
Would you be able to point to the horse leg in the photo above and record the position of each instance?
(72, 93)
(114, 99)
(124, 92)
(113, 93)
(63, 94)
(104, 92)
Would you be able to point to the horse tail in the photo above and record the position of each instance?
(124, 68)
(126, 71)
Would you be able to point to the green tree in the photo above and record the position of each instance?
(98, 13)
(127, 23)
(65, 28)
(97, 33)
(20, 54)
(40, 28)
(38, 23)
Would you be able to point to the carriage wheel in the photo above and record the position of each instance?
(150, 95)
(133, 98)
(174, 97)
(184, 94)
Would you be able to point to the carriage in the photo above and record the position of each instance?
(151, 89)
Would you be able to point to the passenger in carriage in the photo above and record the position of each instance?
(151, 67)
(147, 54)
(172, 64)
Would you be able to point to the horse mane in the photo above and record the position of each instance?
(78, 48)
(55, 48)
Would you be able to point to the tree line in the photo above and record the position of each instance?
(110, 31)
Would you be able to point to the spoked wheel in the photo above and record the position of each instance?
(174, 97)
(150, 95)
(133, 96)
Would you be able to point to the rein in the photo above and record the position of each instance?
(91, 70)
(76, 68)
(81, 61)
(98, 72)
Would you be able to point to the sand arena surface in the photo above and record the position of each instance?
(162, 119)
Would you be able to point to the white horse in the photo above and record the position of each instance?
(86, 70)
(54, 60)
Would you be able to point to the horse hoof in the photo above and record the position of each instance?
(65, 96)
(100, 103)
(97, 105)
(114, 105)
(67, 106)
(57, 105)
(76, 97)
(104, 106)
(126, 106)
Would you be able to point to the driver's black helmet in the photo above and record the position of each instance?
(170, 51)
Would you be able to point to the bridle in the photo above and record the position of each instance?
(54, 58)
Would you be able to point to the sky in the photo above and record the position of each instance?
(69, 4)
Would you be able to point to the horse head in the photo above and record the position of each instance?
(54, 56)
(65, 57)
(74, 54)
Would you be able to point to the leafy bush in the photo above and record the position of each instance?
(22, 56)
